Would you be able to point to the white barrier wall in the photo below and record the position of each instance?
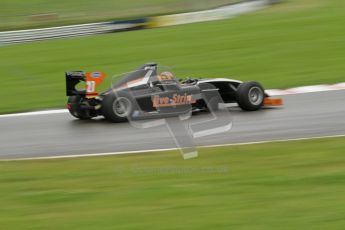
(19, 36)
(208, 15)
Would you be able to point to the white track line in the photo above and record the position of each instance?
(271, 92)
(168, 149)
(44, 112)
(306, 89)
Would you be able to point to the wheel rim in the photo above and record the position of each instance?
(122, 107)
(255, 95)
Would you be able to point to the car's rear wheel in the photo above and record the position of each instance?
(73, 105)
(117, 108)
(250, 96)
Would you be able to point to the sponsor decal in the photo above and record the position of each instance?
(175, 100)
(93, 79)
(96, 74)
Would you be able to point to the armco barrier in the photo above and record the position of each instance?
(20, 36)
(208, 15)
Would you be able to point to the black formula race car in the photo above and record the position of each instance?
(152, 91)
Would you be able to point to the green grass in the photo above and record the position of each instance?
(16, 14)
(291, 185)
(299, 42)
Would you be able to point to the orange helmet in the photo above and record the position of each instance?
(166, 76)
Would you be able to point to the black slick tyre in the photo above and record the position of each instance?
(250, 96)
(117, 107)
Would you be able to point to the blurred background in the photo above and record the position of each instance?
(282, 185)
(27, 14)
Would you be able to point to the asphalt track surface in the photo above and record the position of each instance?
(302, 116)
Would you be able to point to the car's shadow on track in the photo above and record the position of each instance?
(100, 121)
(233, 111)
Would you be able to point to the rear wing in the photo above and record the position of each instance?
(72, 79)
(91, 79)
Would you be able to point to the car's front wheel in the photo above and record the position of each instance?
(250, 96)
